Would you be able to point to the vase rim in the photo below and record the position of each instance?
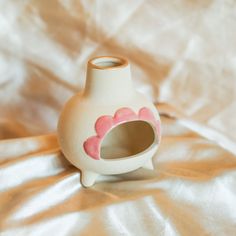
(108, 62)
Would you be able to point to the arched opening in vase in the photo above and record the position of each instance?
(107, 62)
(127, 139)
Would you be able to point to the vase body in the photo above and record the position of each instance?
(109, 128)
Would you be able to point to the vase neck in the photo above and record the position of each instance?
(108, 79)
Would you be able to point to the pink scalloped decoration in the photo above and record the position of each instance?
(158, 127)
(105, 123)
(124, 114)
(92, 147)
(146, 114)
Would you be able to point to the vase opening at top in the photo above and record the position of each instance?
(108, 62)
(108, 80)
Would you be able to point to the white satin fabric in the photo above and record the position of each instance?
(183, 57)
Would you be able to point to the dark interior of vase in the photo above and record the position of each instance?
(107, 62)
(127, 139)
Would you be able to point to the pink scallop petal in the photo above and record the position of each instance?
(146, 114)
(103, 124)
(91, 147)
(158, 127)
(124, 114)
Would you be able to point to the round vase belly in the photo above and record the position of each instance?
(109, 128)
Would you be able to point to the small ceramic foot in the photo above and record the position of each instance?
(148, 165)
(88, 178)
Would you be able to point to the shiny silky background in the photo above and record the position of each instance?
(183, 58)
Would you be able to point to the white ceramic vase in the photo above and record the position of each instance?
(109, 128)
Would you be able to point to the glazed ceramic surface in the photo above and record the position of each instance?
(109, 128)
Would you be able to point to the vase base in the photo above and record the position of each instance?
(88, 178)
(148, 165)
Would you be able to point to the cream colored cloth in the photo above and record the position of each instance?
(183, 57)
